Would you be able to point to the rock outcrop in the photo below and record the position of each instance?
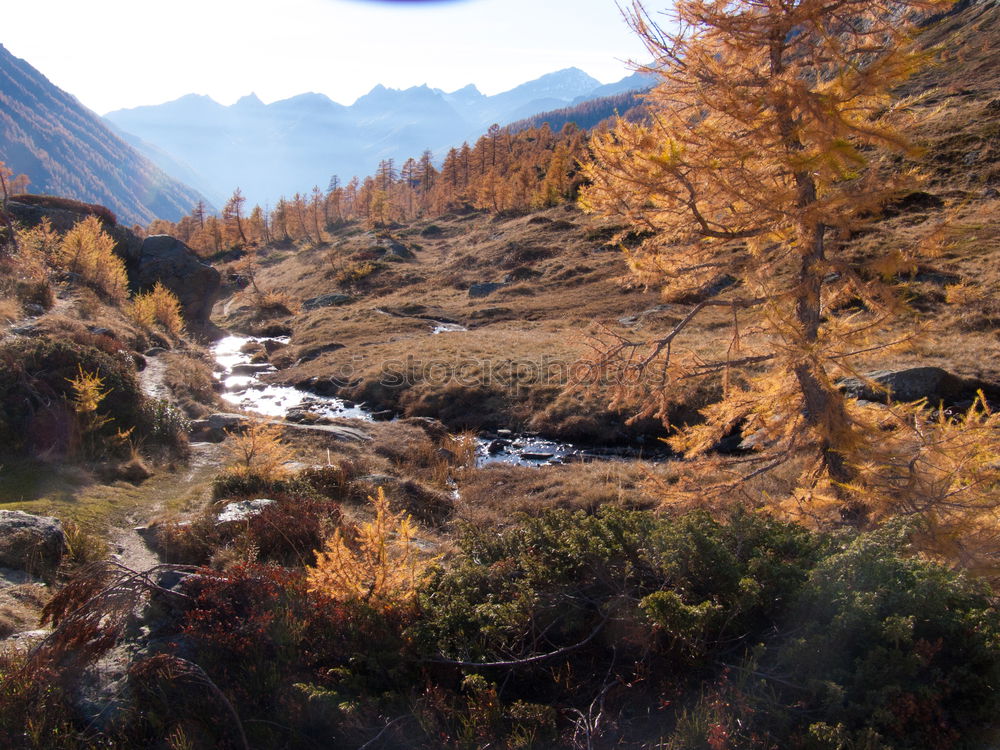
(34, 544)
(165, 259)
(933, 383)
(158, 258)
(327, 300)
(63, 214)
(485, 288)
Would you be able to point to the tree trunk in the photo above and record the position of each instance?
(823, 407)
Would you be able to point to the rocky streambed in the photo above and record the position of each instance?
(243, 387)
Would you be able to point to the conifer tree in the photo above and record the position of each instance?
(758, 161)
(232, 217)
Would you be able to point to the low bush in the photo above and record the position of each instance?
(288, 531)
(157, 307)
(622, 628)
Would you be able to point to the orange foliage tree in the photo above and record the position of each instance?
(758, 162)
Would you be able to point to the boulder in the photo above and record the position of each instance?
(399, 251)
(327, 300)
(242, 510)
(34, 544)
(485, 288)
(433, 428)
(165, 259)
(913, 384)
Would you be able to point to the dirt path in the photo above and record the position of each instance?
(165, 490)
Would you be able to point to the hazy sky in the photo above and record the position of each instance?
(122, 53)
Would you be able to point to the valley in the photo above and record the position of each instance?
(663, 433)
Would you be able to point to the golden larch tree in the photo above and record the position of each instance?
(758, 162)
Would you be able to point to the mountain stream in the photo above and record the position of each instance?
(243, 388)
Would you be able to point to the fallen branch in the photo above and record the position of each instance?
(525, 661)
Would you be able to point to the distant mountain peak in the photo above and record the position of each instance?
(195, 98)
(470, 90)
(250, 100)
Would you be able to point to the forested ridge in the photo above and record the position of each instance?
(64, 149)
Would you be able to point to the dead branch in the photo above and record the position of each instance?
(528, 660)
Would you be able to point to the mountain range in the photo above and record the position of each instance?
(65, 149)
(270, 150)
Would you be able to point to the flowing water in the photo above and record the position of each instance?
(243, 387)
(241, 379)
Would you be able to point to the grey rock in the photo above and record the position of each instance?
(34, 544)
(399, 251)
(26, 640)
(485, 289)
(165, 259)
(242, 510)
(913, 384)
(10, 577)
(226, 421)
(498, 446)
(385, 481)
(214, 428)
(435, 429)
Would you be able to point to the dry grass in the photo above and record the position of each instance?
(494, 494)
(188, 376)
(10, 310)
(21, 607)
(500, 373)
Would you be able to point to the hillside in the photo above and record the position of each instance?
(69, 151)
(274, 150)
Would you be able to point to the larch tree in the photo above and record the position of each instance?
(758, 162)
(232, 217)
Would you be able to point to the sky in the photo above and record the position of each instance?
(113, 54)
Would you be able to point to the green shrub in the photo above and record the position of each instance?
(891, 646)
(615, 629)
(166, 424)
(754, 632)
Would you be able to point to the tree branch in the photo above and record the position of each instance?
(528, 660)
